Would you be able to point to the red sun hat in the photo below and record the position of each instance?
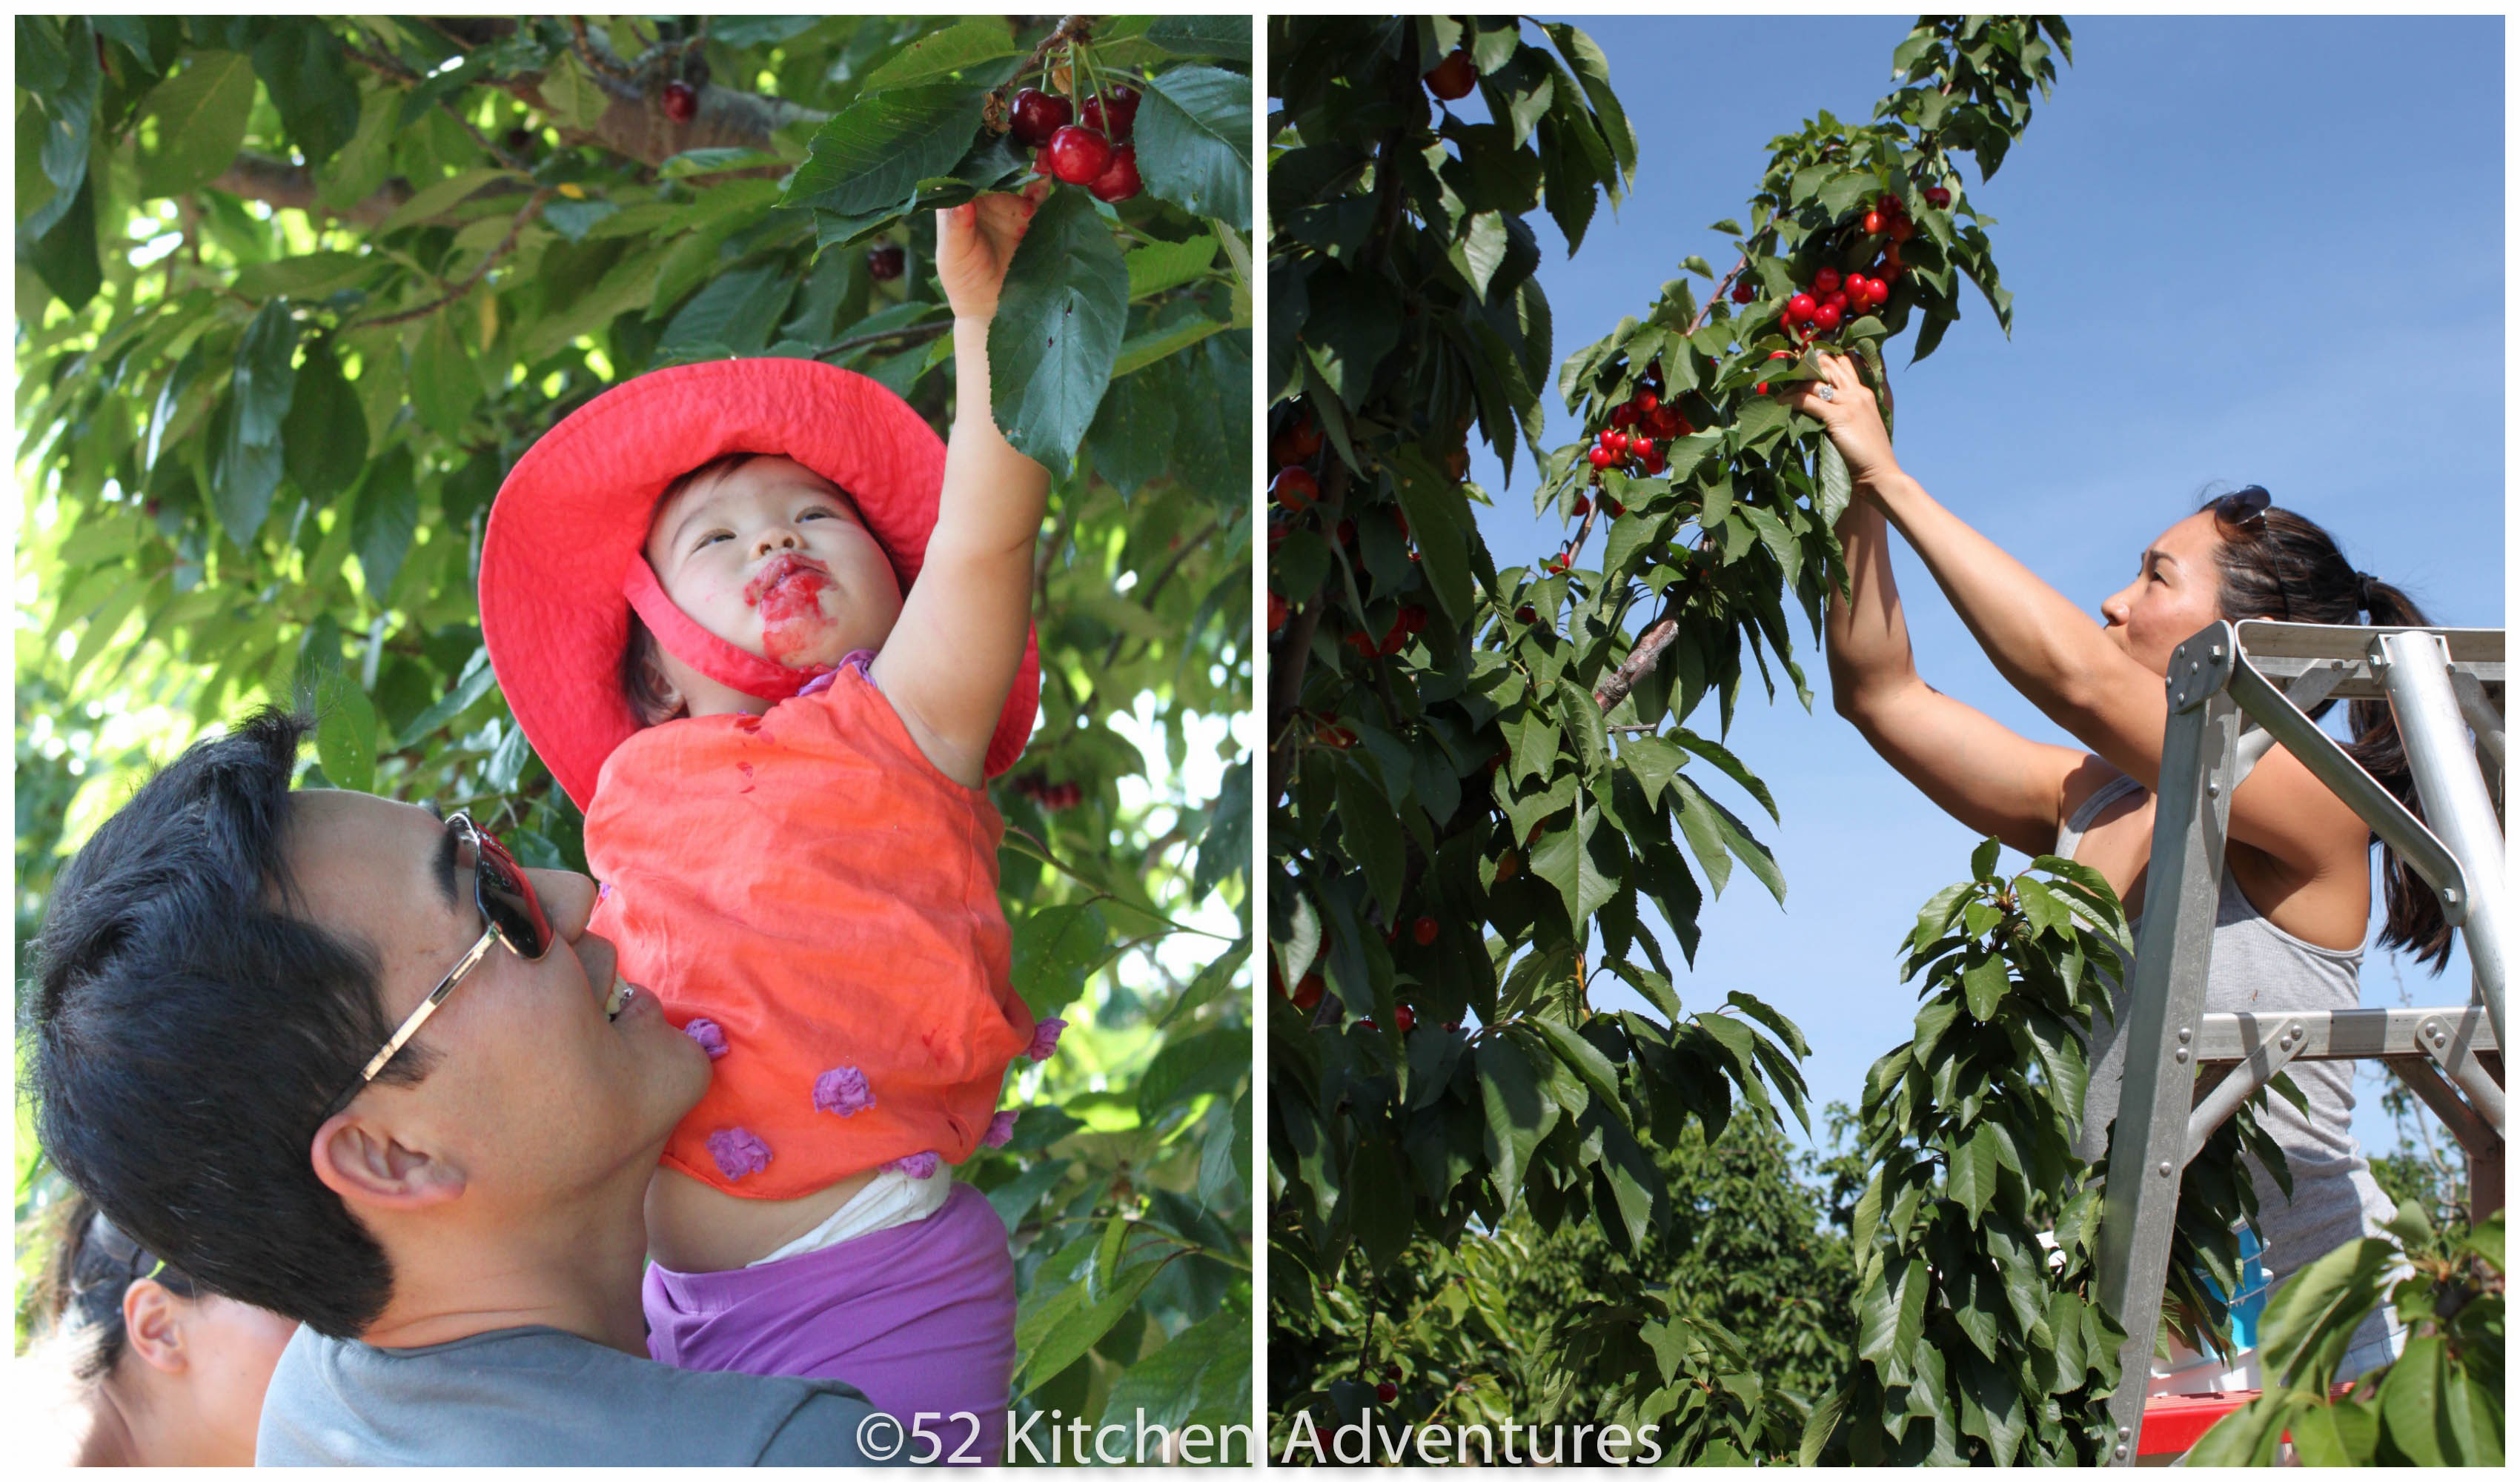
(572, 519)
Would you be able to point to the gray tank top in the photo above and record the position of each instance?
(2260, 968)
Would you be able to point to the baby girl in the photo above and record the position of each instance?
(773, 636)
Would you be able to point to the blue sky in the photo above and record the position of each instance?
(2242, 250)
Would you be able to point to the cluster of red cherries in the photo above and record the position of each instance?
(1641, 429)
(1051, 796)
(1310, 989)
(1093, 152)
(1834, 297)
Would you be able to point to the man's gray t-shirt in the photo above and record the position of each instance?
(541, 1397)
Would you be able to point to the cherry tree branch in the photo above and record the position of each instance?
(506, 244)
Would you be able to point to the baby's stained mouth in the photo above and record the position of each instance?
(808, 574)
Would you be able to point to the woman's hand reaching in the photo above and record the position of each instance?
(1852, 417)
(975, 242)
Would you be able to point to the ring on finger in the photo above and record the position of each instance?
(1825, 392)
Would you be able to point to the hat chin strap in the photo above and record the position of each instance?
(702, 650)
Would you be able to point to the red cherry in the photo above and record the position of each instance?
(1617, 442)
(1826, 318)
(1453, 1026)
(1653, 465)
(1386, 1391)
(1526, 614)
(1623, 415)
(1412, 618)
(1667, 421)
(1891, 206)
(1406, 1018)
(1641, 446)
(1902, 229)
(1308, 990)
(1801, 306)
(1937, 197)
(1391, 1370)
(1646, 401)
(1038, 116)
(1113, 111)
(1603, 458)
(1453, 77)
(1743, 292)
(1278, 612)
(1837, 300)
(1872, 222)
(1583, 506)
(1077, 155)
(1294, 489)
(682, 100)
(1119, 179)
(1304, 436)
(1346, 532)
(1781, 354)
(1615, 507)
(883, 261)
(1826, 280)
(1761, 388)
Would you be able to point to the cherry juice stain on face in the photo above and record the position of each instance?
(746, 769)
(788, 591)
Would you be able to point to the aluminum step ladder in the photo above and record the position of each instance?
(2186, 1070)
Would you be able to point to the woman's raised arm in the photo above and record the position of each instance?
(1973, 767)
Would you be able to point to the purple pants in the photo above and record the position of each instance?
(920, 1317)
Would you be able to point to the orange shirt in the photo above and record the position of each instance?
(808, 881)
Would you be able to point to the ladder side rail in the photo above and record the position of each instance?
(2415, 668)
(2173, 949)
(2424, 1079)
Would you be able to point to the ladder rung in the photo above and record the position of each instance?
(2346, 1034)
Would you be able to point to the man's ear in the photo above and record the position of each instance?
(361, 1160)
(152, 1326)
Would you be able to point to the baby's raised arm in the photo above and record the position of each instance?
(952, 657)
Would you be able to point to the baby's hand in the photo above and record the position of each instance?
(975, 242)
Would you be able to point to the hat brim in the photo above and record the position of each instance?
(573, 513)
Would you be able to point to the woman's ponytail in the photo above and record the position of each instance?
(2286, 568)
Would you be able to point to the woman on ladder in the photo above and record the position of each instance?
(2296, 884)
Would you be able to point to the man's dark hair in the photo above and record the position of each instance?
(190, 1035)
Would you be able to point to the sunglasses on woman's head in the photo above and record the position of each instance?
(2244, 509)
(511, 915)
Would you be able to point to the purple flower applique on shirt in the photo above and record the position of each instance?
(919, 1165)
(1002, 1130)
(842, 1089)
(737, 1152)
(709, 1037)
(1044, 1039)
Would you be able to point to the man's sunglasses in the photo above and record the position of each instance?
(2243, 509)
(511, 915)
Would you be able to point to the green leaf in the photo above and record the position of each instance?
(736, 311)
(571, 95)
(65, 257)
(308, 77)
(1836, 486)
(1370, 832)
(1209, 1064)
(381, 531)
(1519, 1114)
(1015, 1198)
(469, 688)
(1058, 332)
(444, 387)
(1055, 949)
(1986, 985)
(200, 114)
(1568, 859)
(2411, 1408)
(346, 736)
(872, 155)
(1160, 266)
(1193, 139)
(1975, 1166)
(1439, 523)
(1589, 1065)
(1227, 36)
(312, 275)
(966, 43)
